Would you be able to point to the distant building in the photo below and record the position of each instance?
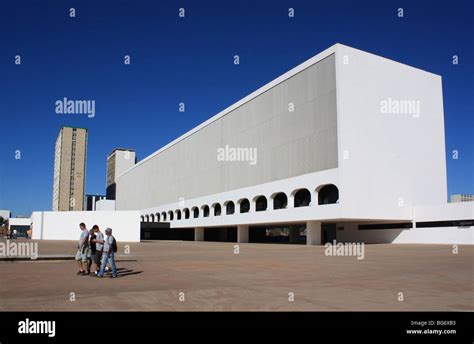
(6, 214)
(118, 161)
(70, 169)
(462, 198)
(90, 203)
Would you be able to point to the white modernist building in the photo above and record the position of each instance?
(348, 145)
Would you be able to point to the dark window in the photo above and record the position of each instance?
(217, 209)
(328, 194)
(230, 208)
(404, 225)
(244, 206)
(205, 211)
(302, 198)
(261, 203)
(280, 201)
(457, 223)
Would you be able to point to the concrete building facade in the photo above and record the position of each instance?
(462, 198)
(348, 144)
(70, 169)
(118, 161)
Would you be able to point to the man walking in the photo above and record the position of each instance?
(110, 247)
(97, 245)
(83, 250)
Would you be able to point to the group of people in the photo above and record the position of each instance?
(95, 248)
(13, 234)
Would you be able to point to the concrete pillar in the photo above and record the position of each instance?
(242, 233)
(315, 198)
(291, 201)
(199, 234)
(294, 235)
(313, 233)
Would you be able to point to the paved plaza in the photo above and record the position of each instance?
(209, 276)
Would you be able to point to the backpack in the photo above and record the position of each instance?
(114, 245)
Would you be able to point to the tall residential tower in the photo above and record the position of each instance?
(118, 162)
(70, 169)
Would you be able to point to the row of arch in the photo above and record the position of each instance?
(327, 194)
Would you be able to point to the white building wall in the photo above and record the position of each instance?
(123, 161)
(387, 160)
(287, 143)
(105, 205)
(19, 221)
(64, 225)
(436, 235)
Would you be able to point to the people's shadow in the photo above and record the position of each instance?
(127, 272)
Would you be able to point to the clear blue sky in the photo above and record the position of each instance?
(191, 60)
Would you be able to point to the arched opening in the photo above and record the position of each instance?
(170, 215)
(217, 209)
(163, 216)
(147, 218)
(142, 218)
(244, 205)
(205, 211)
(186, 213)
(178, 214)
(229, 208)
(280, 201)
(302, 198)
(328, 194)
(152, 218)
(261, 203)
(157, 216)
(195, 212)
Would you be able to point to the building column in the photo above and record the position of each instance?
(291, 201)
(294, 235)
(313, 233)
(199, 234)
(243, 233)
(315, 198)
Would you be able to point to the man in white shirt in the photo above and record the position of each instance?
(83, 250)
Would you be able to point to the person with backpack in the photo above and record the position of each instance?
(108, 255)
(96, 242)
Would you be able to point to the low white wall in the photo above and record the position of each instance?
(19, 221)
(64, 225)
(436, 235)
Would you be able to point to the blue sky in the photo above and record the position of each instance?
(191, 60)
